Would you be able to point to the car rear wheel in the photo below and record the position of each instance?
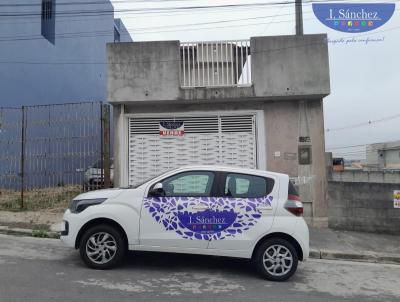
(102, 247)
(276, 259)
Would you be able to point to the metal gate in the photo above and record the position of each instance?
(208, 139)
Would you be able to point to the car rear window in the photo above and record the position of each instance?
(247, 186)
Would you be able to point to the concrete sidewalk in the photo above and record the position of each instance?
(324, 244)
(358, 246)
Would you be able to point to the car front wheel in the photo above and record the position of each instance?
(276, 259)
(102, 247)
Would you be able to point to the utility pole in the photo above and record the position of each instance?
(299, 17)
(23, 142)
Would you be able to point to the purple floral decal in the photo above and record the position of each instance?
(222, 217)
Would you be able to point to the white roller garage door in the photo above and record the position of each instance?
(208, 140)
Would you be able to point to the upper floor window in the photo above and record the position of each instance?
(48, 20)
(47, 9)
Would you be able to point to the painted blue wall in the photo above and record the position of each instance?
(74, 67)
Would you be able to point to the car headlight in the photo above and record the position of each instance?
(77, 206)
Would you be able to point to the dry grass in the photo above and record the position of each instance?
(56, 198)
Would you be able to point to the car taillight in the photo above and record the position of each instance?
(294, 205)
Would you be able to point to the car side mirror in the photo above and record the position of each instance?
(157, 190)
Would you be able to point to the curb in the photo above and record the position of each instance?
(29, 232)
(360, 257)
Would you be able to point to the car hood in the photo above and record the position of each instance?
(105, 193)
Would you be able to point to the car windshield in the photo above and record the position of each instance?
(98, 164)
(150, 178)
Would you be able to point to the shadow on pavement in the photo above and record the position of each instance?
(167, 262)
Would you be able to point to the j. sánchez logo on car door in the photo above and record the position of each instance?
(224, 216)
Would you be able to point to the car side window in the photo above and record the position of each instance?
(189, 184)
(247, 186)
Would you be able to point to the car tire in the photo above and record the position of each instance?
(102, 247)
(276, 259)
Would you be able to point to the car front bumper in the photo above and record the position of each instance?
(70, 228)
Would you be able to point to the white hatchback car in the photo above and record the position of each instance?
(207, 210)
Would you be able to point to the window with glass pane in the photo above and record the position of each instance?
(247, 186)
(189, 184)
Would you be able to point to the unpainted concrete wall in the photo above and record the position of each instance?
(367, 176)
(290, 65)
(282, 68)
(362, 206)
(142, 71)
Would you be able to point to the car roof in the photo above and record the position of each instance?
(228, 169)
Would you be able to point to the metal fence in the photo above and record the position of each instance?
(49, 153)
(215, 64)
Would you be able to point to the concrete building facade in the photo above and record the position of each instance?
(54, 51)
(255, 104)
(383, 156)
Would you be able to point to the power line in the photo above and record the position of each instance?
(69, 3)
(361, 146)
(177, 60)
(176, 25)
(177, 9)
(140, 13)
(106, 33)
(270, 50)
(161, 9)
(273, 19)
(102, 33)
(343, 147)
(359, 153)
(62, 19)
(355, 146)
(211, 22)
(146, 30)
(131, 62)
(214, 27)
(89, 2)
(368, 123)
(140, 10)
(150, 29)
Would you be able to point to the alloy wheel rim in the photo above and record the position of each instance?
(101, 247)
(277, 260)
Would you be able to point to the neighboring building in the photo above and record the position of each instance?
(383, 156)
(254, 104)
(54, 51)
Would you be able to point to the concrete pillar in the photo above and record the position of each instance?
(120, 148)
(318, 168)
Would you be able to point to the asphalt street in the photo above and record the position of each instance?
(33, 269)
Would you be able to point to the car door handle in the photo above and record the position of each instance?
(264, 208)
(200, 207)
